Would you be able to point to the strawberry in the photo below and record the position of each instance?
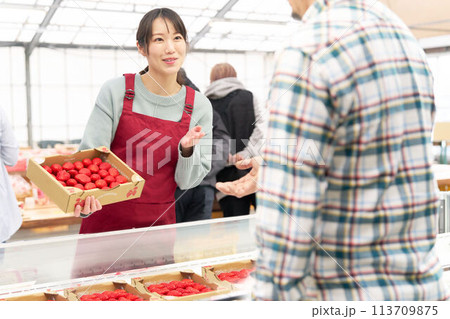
(105, 166)
(101, 183)
(89, 186)
(93, 168)
(71, 182)
(235, 276)
(68, 166)
(106, 187)
(85, 171)
(171, 286)
(242, 274)
(163, 291)
(47, 168)
(109, 179)
(95, 177)
(192, 290)
(86, 162)
(62, 176)
(82, 178)
(107, 293)
(198, 286)
(62, 183)
(80, 186)
(222, 276)
(56, 168)
(121, 179)
(72, 172)
(113, 172)
(187, 280)
(181, 284)
(103, 173)
(114, 184)
(96, 161)
(78, 165)
(206, 289)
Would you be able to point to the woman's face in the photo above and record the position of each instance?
(166, 49)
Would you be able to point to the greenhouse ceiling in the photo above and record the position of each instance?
(213, 25)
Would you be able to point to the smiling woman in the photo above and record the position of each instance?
(161, 122)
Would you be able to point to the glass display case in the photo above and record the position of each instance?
(64, 262)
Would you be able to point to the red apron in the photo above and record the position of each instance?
(150, 147)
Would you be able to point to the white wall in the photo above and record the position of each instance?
(65, 83)
(12, 89)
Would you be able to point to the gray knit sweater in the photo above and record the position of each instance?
(104, 119)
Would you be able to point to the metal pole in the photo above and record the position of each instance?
(28, 92)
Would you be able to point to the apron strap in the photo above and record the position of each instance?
(129, 92)
(188, 105)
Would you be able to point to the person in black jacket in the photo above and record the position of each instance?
(236, 107)
(196, 203)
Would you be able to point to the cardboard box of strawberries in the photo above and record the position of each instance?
(68, 179)
(108, 291)
(232, 275)
(178, 286)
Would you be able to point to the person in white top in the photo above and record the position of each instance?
(10, 217)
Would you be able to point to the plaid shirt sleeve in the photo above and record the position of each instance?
(293, 176)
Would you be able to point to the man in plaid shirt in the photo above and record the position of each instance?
(354, 217)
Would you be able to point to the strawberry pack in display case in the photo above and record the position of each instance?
(68, 179)
(178, 286)
(234, 275)
(108, 291)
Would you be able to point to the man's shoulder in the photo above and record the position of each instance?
(341, 23)
(314, 34)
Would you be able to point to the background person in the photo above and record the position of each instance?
(197, 203)
(236, 107)
(10, 217)
(152, 109)
(363, 226)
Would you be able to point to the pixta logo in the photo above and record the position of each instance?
(146, 148)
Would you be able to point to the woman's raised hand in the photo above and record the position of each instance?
(191, 139)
